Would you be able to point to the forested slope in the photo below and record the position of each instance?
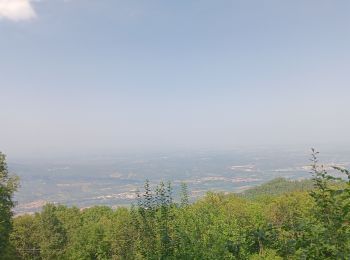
(279, 220)
(278, 186)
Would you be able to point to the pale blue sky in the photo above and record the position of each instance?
(113, 75)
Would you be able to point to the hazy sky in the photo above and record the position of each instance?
(124, 75)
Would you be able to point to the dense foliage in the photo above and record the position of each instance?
(306, 222)
(8, 185)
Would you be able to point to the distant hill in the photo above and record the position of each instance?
(277, 187)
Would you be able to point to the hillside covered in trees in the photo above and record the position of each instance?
(278, 220)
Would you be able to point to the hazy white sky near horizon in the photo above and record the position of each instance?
(113, 76)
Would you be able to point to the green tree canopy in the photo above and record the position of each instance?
(8, 185)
